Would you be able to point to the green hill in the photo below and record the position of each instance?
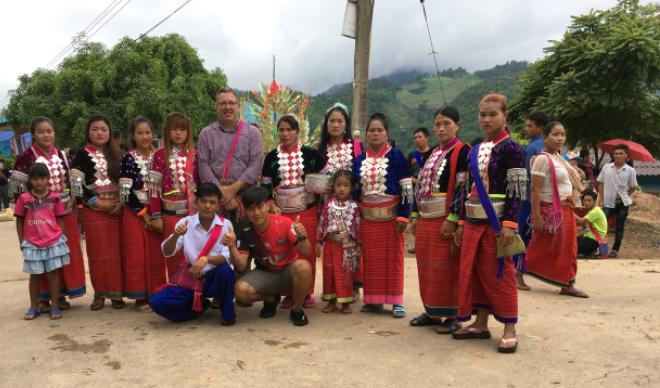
(410, 104)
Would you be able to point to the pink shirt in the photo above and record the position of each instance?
(40, 226)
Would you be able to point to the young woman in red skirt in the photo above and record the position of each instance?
(552, 253)
(94, 180)
(144, 264)
(172, 180)
(486, 282)
(72, 276)
(443, 174)
(283, 175)
(386, 196)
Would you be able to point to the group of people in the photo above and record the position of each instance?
(182, 228)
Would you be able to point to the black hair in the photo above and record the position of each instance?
(325, 135)
(539, 118)
(378, 117)
(254, 196)
(292, 121)
(448, 111)
(111, 149)
(343, 174)
(421, 130)
(547, 129)
(38, 120)
(591, 194)
(206, 190)
(476, 141)
(38, 170)
(137, 121)
(623, 147)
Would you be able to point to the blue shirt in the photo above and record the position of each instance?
(534, 147)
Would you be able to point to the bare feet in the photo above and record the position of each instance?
(572, 291)
(520, 282)
(346, 308)
(330, 307)
(142, 305)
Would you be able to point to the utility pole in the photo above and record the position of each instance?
(364, 15)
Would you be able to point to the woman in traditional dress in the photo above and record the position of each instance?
(144, 264)
(283, 175)
(72, 279)
(552, 253)
(338, 149)
(443, 174)
(486, 282)
(94, 180)
(386, 195)
(172, 180)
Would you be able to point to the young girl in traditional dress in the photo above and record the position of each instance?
(39, 225)
(338, 231)
(94, 181)
(552, 253)
(144, 264)
(284, 172)
(173, 179)
(43, 150)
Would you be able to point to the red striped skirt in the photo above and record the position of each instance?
(72, 276)
(552, 257)
(437, 268)
(103, 246)
(172, 263)
(382, 254)
(144, 264)
(478, 285)
(309, 218)
(337, 284)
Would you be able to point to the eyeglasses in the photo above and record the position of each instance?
(226, 104)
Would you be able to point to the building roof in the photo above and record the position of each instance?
(648, 168)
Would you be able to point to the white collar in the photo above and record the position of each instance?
(194, 222)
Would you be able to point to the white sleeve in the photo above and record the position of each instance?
(632, 179)
(179, 241)
(224, 250)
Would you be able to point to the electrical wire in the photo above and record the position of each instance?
(433, 52)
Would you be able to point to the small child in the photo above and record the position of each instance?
(338, 231)
(40, 228)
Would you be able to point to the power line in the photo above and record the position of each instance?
(79, 37)
(161, 22)
(433, 52)
(108, 20)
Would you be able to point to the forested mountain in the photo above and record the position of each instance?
(409, 98)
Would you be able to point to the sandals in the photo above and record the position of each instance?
(55, 313)
(43, 306)
(472, 333)
(64, 305)
(117, 304)
(97, 304)
(425, 320)
(448, 326)
(371, 308)
(330, 307)
(573, 292)
(508, 349)
(398, 311)
(309, 302)
(31, 314)
(346, 309)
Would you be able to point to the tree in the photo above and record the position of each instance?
(601, 79)
(151, 77)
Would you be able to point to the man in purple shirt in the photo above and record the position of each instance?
(230, 153)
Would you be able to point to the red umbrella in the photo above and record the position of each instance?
(637, 151)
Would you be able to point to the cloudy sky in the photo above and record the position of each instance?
(241, 36)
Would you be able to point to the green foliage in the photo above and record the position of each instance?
(602, 79)
(151, 77)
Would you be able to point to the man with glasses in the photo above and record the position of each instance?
(230, 153)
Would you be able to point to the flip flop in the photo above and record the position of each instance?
(97, 304)
(31, 314)
(43, 306)
(330, 308)
(448, 326)
(64, 305)
(117, 304)
(472, 333)
(575, 292)
(371, 308)
(398, 311)
(424, 320)
(509, 349)
(346, 309)
(55, 313)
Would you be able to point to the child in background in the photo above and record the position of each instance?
(338, 232)
(39, 226)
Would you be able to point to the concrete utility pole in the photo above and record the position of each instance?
(365, 10)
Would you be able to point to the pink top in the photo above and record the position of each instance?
(40, 226)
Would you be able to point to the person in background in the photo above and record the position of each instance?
(116, 134)
(4, 186)
(417, 158)
(594, 221)
(616, 183)
(534, 133)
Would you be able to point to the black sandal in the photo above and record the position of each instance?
(424, 320)
(472, 333)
